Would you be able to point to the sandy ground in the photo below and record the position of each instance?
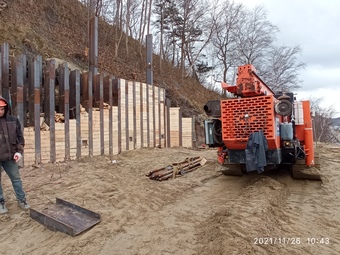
(202, 212)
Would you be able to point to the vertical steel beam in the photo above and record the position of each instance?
(5, 92)
(115, 91)
(20, 89)
(51, 112)
(134, 115)
(110, 116)
(65, 102)
(73, 94)
(93, 47)
(107, 85)
(25, 89)
(101, 109)
(31, 92)
(36, 87)
(96, 90)
(90, 102)
(147, 117)
(154, 115)
(117, 83)
(42, 78)
(50, 105)
(61, 88)
(141, 116)
(127, 135)
(159, 118)
(1, 71)
(180, 127)
(149, 67)
(84, 89)
(193, 132)
(167, 107)
(149, 80)
(75, 99)
(165, 119)
(13, 88)
(107, 94)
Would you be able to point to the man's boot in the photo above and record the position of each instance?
(3, 208)
(23, 204)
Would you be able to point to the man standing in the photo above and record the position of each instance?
(11, 148)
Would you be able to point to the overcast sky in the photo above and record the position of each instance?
(315, 26)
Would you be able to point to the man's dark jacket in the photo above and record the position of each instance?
(11, 136)
(257, 146)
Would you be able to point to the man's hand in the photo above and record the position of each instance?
(17, 156)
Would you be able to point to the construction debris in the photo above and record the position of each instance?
(176, 169)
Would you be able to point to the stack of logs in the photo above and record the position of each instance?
(176, 169)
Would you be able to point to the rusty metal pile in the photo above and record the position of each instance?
(176, 169)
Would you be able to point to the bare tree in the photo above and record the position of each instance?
(127, 26)
(149, 17)
(135, 14)
(141, 21)
(322, 121)
(196, 45)
(166, 15)
(226, 20)
(161, 10)
(188, 30)
(281, 67)
(255, 36)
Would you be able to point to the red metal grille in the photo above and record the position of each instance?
(242, 116)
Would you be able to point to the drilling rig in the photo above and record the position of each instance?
(259, 130)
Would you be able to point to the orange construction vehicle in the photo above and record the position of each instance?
(258, 129)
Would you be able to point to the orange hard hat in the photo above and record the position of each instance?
(3, 102)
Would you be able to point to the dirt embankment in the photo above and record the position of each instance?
(202, 212)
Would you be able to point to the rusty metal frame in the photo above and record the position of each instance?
(66, 217)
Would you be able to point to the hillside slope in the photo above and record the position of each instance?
(58, 29)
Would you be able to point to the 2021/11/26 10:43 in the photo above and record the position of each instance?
(290, 240)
